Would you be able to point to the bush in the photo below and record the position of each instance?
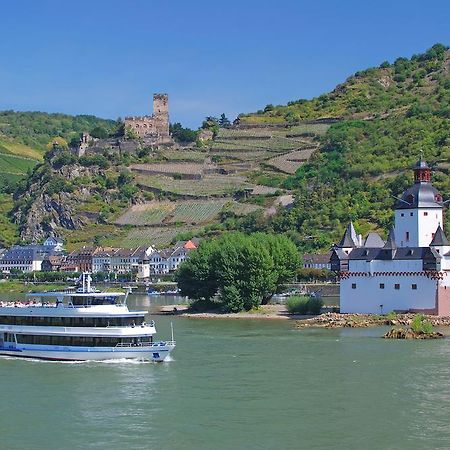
(315, 305)
(297, 304)
(304, 305)
(421, 325)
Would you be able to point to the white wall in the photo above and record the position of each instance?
(367, 296)
(419, 223)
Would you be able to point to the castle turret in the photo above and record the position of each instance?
(440, 241)
(419, 210)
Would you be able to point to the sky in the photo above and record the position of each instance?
(107, 57)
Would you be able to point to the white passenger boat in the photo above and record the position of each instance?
(79, 325)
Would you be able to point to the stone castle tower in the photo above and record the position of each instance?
(156, 126)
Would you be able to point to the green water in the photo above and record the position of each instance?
(237, 384)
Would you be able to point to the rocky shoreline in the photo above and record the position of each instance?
(407, 333)
(337, 320)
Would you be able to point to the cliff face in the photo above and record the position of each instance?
(56, 199)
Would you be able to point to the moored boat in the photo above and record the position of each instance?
(82, 324)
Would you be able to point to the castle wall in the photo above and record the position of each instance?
(157, 125)
(443, 301)
(363, 294)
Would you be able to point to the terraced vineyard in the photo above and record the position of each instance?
(290, 162)
(184, 155)
(187, 212)
(157, 236)
(171, 168)
(146, 214)
(209, 185)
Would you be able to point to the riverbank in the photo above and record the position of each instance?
(273, 312)
(337, 320)
(326, 320)
(19, 287)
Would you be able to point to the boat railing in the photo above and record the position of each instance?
(145, 344)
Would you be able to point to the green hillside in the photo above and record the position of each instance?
(407, 85)
(24, 137)
(342, 156)
(36, 129)
(388, 115)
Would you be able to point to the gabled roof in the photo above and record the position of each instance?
(349, 239)
(439, 238)
(317, 258)
(373, 240)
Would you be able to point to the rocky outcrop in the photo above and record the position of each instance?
(337, 320)
(46, 214)
(40, 212)
(408, 333)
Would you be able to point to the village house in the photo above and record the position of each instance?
(52, 263)
(54, 244)
(317, 260)
(407, 272)
(79, 260)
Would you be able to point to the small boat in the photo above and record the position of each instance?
(151, 291)
(79, 325)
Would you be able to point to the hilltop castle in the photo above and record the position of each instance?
(156, 126)
(408, 272)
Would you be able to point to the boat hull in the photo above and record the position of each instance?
(156, 353)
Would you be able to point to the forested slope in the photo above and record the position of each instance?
(388, 116)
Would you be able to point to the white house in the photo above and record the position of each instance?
(23, 258)
(54, 244)
(408, 272)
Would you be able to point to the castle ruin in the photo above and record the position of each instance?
(154, 128)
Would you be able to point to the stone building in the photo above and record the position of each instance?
(155, 127)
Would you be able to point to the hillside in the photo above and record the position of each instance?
(341, 155)
(387, 116)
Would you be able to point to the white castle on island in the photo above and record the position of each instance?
(408, 272)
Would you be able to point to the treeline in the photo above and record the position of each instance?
(375, 91)
(36, 129)
(238, 271)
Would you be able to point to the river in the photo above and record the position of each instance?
(236, 384)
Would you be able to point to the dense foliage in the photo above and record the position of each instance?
(363, 164)
(37, 129)
(181, 134)
(374, 92)
(244, 271)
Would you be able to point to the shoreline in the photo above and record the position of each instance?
(324, 320)
(265, 312)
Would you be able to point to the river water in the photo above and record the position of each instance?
(236, 384)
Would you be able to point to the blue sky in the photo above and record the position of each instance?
(107, 57)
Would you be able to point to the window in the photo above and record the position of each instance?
(411, 214)
(407, 235)
(425, 213)
(381, 285)
(414, 287)
(397, 286)
(353, 285)
(402, 215)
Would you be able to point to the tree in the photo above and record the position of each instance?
(99, 133)
(58, 142)
(243, 270)
(223, 121)
(195, 277)
(181, 134)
